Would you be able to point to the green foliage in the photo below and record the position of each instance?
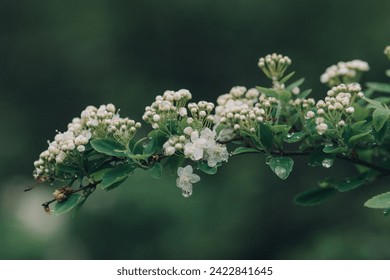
(314, 197)
(281, 166)
(155, 171)
(381, 87)
(381, 201)
(115, 175)
(109, 147)
(244, 150)
(68, 204)
(380, 117)
(204, 167)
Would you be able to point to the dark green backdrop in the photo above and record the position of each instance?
(56, 57)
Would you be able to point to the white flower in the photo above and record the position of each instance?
(216, 154)
(186, 179)
(168, 151)
(194, 149)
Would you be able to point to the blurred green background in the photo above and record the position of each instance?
(56, 57)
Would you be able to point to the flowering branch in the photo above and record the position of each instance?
(100, 148)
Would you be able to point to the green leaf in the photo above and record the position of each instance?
(172, 163)
(219, 128)
(314, 197)
(319, 158)
(304, 94)
(109, 147)
(295, 84)
(387, 73)
(358, 137)
(286, 78)
(155, 171)
(203, 166)
(265, 135)
(295, 137)
(277, 93)
(281, 166)
(380, 117)
(137, 147)
(350, 184)
(381, 87)
(330, 149)
(98, 175)
(68, 204)
(280, 128)
(71, 169)
(117, 174)
(157, 140)
(381, 201)
(244, 150)
(380, 136)
(373, 103)
(359, 126)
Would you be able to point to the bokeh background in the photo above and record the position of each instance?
(56, 57)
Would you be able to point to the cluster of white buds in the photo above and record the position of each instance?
(387, 52)
(274, 66)
(93, 123)
(245, 114)
(167, 107)
(336, 109)
(175, 144)
(238, 97)
(344, 72)
(203, 146)
(200, 114)
(105, 120)
(303, 106)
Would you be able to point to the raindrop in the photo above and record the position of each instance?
(280, 171)
(186, 193)
(289, 135)
(386, 212)
(327, 163)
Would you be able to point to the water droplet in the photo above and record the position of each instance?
(386, 212)
(289, 135)
(327, 163)
(280, 171)
(75, 176)
(268, 159)
(186, 193)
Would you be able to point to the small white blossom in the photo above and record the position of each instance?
(186, 179)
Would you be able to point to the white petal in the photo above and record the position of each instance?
(194, 178)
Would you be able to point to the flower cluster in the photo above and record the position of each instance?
(93, 123)
(203, 146)
(336, 109)
(387, 52)
(167, 107)
(274, 66)
(245, 111)
(344, 72)
(200, 114)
